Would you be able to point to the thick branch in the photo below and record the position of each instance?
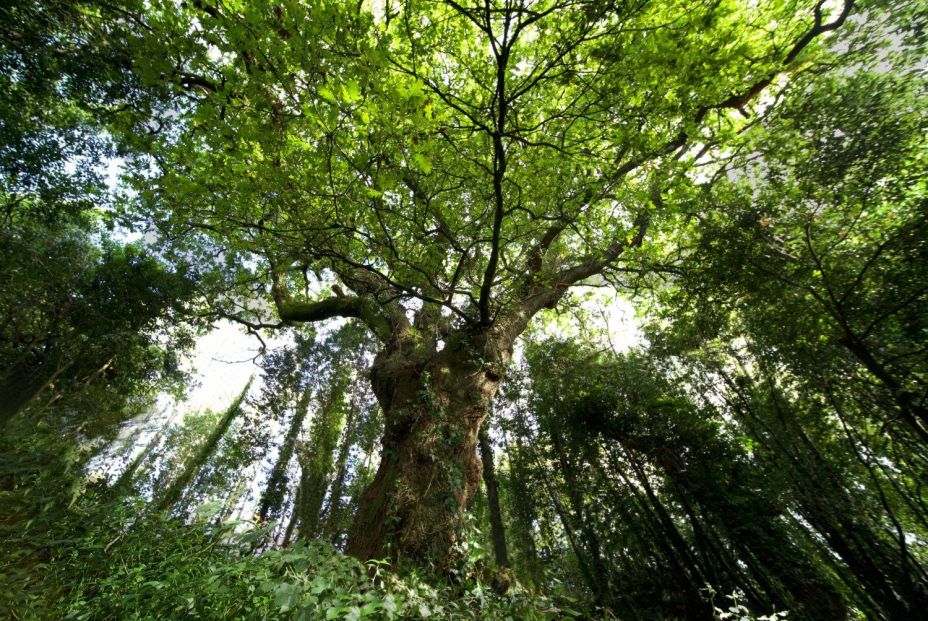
(739, 100)
(361, 308)
(819, 28)
(547, 296)
(595, 265)
(190, 81)
(537, 254)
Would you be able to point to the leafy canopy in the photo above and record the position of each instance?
(477, 158)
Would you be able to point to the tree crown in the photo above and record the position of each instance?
(478, 159)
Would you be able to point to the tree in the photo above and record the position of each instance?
(64, 71)
(191, 467)
(284, 390)
(497, 530)
(826, 229)
(79, 311)
(447, 171)
(78, 318)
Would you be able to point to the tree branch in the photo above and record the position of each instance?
(548, 296)
(499, 172)
(739, 100)
(356, 307)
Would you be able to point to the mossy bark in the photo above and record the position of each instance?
(316, 458)
(273, 497)
(434, 406)
(173, 493)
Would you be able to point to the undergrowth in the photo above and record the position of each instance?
(122, 563)
(76, 550)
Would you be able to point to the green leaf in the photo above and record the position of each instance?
(326, 93)
(351, 92)
(422, 163)
(286, 596)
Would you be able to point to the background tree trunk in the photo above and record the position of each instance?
(317, 456)
(176, 489)
(497, 531)
(273, 496)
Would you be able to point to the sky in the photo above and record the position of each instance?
(222, 363)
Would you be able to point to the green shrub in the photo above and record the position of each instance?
(122, 566)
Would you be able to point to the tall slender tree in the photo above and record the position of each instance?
(497, 529)
(182, 480)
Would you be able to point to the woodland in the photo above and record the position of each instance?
(426, 216)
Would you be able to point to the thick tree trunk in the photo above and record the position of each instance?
(434, 405)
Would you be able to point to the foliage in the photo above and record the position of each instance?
(82, 312)
(104, 566)
(439, 175)
(826, 228)
(63, 72)
(643, 482)
(737, 611)
(445, 171)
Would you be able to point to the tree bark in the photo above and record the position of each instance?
(273, 496)
(434, 404)
(316, 457)
(333, 515)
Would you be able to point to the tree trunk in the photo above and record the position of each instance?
(128, 476)
(316, 457)
(910, 405)
(825, 503)
(294, 516)
(333, 515)
(273, 497)
(598, 571)
(523, 504)
(434, 405)
(180, 484)
(497, 531)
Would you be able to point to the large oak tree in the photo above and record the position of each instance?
(446, 170)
